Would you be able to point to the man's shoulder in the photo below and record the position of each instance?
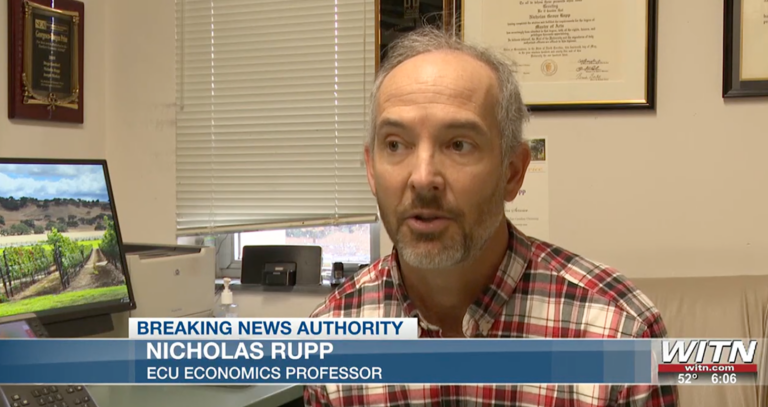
(362, 296)
(596, 283)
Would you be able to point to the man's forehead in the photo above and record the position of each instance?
(439, 71)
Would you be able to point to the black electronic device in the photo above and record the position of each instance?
(29, 327)
(279, 274)
(60, 237)
(49, 396)
(341, 272)
(308, 261)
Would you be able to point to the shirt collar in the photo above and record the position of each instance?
(489, 305)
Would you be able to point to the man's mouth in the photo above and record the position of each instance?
(424, 216)
(427, 221)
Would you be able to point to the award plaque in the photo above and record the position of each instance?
(745, 48)
(397, 17)
(573, 54)
(45, 56)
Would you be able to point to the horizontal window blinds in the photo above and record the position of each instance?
(273, 102)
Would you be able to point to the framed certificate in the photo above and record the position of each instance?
(573, 54)
(745, 48)
(397, 17)
(45, 56)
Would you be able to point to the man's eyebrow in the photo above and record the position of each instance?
(468, 125)
(472, 126)
(390, 122)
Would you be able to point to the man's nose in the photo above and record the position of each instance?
(427, 174)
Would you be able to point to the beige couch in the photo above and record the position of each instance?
(719, 307)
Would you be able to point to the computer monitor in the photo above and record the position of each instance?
(61, 250)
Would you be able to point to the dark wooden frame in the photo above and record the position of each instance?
(53, 111)
(450, 5)
(733, 86)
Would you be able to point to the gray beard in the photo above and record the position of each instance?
(451, 253)
(452, 250)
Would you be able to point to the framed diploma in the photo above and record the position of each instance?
(397, 17)
(745, 48)
(45, 57)
(573, 54)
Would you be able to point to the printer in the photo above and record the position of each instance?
(172, 281)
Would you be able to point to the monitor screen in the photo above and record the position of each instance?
(61, 252)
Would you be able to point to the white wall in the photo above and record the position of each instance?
(678, 192)
(140, 137)
(675, 192)
(672, 192)
(129, 95)
(41, 139)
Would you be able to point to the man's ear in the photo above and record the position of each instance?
(369, 168)
(516, 170)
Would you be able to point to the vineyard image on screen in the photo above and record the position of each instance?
(58, 246)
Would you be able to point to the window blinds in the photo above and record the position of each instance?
(273, 101)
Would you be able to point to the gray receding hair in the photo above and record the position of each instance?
(510, 112)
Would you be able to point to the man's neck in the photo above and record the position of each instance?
(443, 296)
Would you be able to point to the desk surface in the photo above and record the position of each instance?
(193, 396)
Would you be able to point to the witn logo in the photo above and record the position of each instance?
(685, 351)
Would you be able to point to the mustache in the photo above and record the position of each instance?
(431, 202)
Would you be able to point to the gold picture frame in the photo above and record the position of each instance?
(51, 99)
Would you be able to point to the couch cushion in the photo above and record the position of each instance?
(713, 307)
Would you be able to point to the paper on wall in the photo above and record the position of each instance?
(529, 212)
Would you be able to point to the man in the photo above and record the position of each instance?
(445, 153)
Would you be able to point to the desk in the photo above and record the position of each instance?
(253, 302)
(194, 396)
(264, 302)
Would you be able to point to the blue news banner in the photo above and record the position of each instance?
(118, 361)
(225, 359)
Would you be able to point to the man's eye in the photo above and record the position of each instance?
(459, 145)
(393, 145)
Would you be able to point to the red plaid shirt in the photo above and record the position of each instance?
(540, 291)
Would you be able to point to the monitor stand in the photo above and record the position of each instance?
(78, 328)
